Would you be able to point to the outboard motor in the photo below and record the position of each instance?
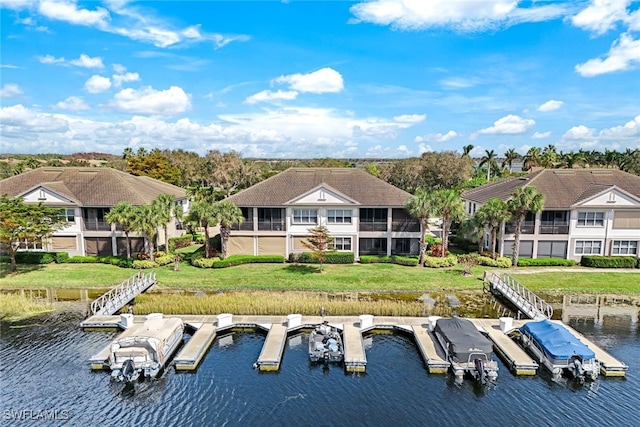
(480, 373)
(576, 367)
(128, 370)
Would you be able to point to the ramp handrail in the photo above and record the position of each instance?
(526, 301)
(122, 293)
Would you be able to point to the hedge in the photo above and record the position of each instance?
(35, 257)
(544, 262)
(501, 262)
(609, 261)
(393, 259)
(204, 262)
(183, 241)
(248, 259)
(143, 264)
(330, 258)
(97, 259)
(440, 262)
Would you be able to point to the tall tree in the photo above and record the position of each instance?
(467, 149)
(165, 206)
(492, 214)
(124, 215)
(549, 156)
(146, 221)
(229, 172)
(450, 207)
(22, 223)
(523, 200)
(226, 214)
(489, 159)
(421, 206)
(532, 158)
(319, 243)
(571, 159)
(510, 156)
(153, 164)
(203, 214)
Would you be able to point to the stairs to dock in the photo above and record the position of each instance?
(528, 303)
(112, 301)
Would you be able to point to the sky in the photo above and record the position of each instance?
(315, 79)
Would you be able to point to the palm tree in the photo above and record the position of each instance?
(509, 156)
(492, 214)
(572, 159)
(421, 206)
(123, 214)
(467, 149)
(202, 213)
(523, 200)
(226, 214)
(450, 207)
(474, 229)
(165, 205)
(146, 221)
(489, 159)
(549, 156)
(532, 158)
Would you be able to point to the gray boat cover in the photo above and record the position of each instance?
(463, 338)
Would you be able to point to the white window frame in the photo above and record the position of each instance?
(589, 245)
(339, 216)
(339, 244)
(624, 247)
(590, 219)
(305, 216)
(35, 246)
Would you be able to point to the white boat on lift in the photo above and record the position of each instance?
(145, 349)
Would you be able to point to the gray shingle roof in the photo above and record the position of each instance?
(91, 186)
(356, 184)
(562, 188)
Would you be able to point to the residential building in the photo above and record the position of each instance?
(87, 194)
(364, 214)
(586, 212)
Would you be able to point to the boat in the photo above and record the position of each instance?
(145, 349)
(467, 350)
(325, 344)
(559, 350)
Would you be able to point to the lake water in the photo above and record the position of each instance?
(44, 374)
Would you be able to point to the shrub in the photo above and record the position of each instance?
(501, 262)
(126, 263)
(183, 241)
(467, 262)
(62, 257)
(437, 249)
(440, 262)
(83, 259)
(143, 264)
(462, 243)
(159, 254)
(35, 257)
(539, 262)
(198, 238)
(608, 261)
(431, 240)
(248, 259)
(165, 259)
(204, 262)
(330, 258)
(393, 259)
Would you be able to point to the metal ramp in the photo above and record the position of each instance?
(117, 297)
(522, 298)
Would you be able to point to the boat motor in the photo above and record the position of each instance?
(480, 372)
(128, 370)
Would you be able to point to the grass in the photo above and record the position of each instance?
(17, 307)
(336, 278)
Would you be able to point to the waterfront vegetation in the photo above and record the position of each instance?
(17, 307)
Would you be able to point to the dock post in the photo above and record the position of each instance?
(366, 321)
(294, 320)
(432, 322)
(126, 320)
(506, 324)
(224, 320)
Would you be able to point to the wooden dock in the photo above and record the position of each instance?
(271, 354)
(193, 352)
(511, 353)
(431, 353)
(355, 359)
(99, 361)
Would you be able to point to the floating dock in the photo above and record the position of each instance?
(279, 327)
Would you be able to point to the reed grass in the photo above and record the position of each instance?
(18, 307)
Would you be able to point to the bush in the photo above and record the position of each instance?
(608, 261)
(501, 262)
(440, 262)
(330, 258)
(165, 259)
(393, 259)
(143, 264)
(431, 240)
(84, 259)
(540, 262)
(462, 243)
(248, 259)
(198, 238)
(437, 250)
(35, 257)
(183, 241)
(126, 263)
(204, 262)
(62, 257)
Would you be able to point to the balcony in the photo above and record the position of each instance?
(407, 226)
(270, 225)
(245, 226)
(373, 226)
(95, 224)
(527, 227)
(554, 228)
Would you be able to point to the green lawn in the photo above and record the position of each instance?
(356, 277)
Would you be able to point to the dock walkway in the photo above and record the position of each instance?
(193, 352)
(513, 355)
(271, 354)
(355, 359)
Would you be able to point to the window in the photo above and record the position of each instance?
(69, 214)
(554, 222)
(591, 219)
(26, 245)
(305, 216)
(552, 249)
(270, 219)
(373, 246)
(339, 216)
(373, 219)
(341, 243)
(588, 247)
(625, 247)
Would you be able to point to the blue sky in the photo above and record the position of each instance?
(301, 79)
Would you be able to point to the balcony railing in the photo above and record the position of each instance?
(94, 224)
(562, 228)
(527, 227)
(245, 226)
(404, 226)
(373, 226)
(270, 225)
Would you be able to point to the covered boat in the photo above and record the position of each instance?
(559, 350)
(325, 344)
(145, 349)
(466, 349)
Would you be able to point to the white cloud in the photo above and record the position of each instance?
(321, 81)
(50, 59)
(460, 82)
(119, 68)
(118, 79)
(28, 123)
(267, 96)
(72, 103)
(87, 62)
(623, 55)
(150, 101)
(630, 129)
(68, 11)
(579, 132)
(9, 90)
(437, 137)
(410, 118)
(461, 15)
(16, 4)
(601, 15)
(424, 148)
(541, 135)
(550, 105)
(97, 84)
(509, 125)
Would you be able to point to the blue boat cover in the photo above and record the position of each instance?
(556, 340)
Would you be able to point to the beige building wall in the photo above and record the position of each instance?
(272, 245)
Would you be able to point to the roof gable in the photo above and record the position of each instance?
(322, 195)
(53, 193)
(610, 197)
